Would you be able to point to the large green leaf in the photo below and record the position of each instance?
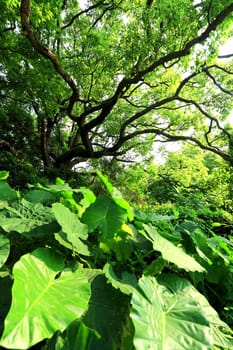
(106, 214)
(5, 298)
(4, 249)
(172, 314)
(29, 219)
(78, 246)
(116, 195)
(170, 252)
(43, 301)
(69, 222)
(88, 198)
(63, 189)
(76, 336)
(6, 192)
(73, 231)
(108, 314)
(59, 187)
(39, 196)
(124, 281)
(4, 175)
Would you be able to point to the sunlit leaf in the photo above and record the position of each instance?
(43, 301)
(29, 219)
(172, 253)
(106, 214)
(171, 314)
(4, 175)
(73, 231)
(4, 249)
(69, 222)
(116, 195)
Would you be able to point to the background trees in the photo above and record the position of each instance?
(111, 77)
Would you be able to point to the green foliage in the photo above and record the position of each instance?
(73, 231)
(104, 213)
(190, 185)
(89, 272)
(170, 252)
(147, 71)
(4, 249)
(168, 311)
(40, 293)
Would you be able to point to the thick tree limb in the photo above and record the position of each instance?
(107, 105)
(25, 12)
(95, 116)
(9, 147)
(219, 86)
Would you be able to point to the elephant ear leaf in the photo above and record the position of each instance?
(4, 249)
(116, 195)
(106, 215)
(45, 299)
(170, 252)
(73, 233)
(170, 313)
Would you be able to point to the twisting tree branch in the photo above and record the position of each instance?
(226, 56)
(71, 21)
(95, 116)
(125, 83)
(8, 146)
(219, 86)
(25, 12)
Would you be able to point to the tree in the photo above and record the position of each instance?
(192, 177)
(110, 78)
(189, 177)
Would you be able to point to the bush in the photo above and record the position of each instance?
(86, 272)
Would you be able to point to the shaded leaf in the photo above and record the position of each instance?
(76, 336)
(108, 314)
(156, 267)
(125, 282)
(5, 298)
(79, 336)
(38, 196)
(6, 192)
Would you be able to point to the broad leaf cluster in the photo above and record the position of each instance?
(89, 272)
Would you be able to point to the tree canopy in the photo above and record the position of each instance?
(143, 257)
(108, 78)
